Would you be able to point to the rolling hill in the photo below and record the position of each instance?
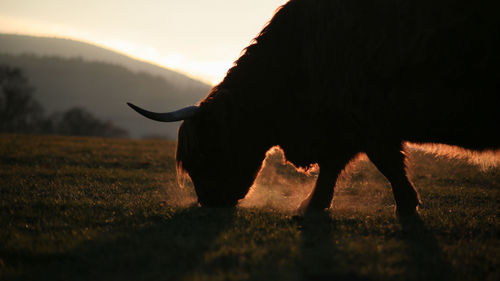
(47, 46)
(68, 73)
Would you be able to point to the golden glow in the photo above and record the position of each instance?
(36, 28)
(211, 72)
(198, 38)
(486, 160)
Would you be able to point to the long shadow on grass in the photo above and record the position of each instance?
(424, 251)
(321, 259)
(346, 249)
(168, 249)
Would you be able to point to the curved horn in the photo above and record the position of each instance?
(178, 115)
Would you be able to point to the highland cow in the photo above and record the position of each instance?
(328, 79)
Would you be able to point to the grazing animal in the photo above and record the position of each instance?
(328, 79)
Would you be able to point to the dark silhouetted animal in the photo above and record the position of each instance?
(328, 79)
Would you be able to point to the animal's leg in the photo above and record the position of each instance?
(321, 196)
(390, 161)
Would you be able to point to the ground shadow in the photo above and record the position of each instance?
(329, 252)
(168, 249)
(321, 258)
(424, 250)
(175, 248)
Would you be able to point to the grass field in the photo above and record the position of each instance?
(110, 209)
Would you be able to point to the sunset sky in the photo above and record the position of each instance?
(200, 38)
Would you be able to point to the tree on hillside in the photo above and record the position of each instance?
(19, 112)
(78, 121)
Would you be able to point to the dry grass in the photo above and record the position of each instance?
(109, 209)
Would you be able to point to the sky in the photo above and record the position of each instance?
(200, 38)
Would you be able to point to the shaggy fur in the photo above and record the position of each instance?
(327, 79)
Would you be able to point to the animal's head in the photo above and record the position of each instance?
(216, 152)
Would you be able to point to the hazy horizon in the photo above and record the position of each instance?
(198, 38)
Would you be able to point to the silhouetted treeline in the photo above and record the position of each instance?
(103, 87)
(79, 122)
(21, 113)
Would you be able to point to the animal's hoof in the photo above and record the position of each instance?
(403, 213)
(310, 212)
(311, 206)
(303, 207)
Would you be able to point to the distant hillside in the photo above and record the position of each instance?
(47, 46)
(104, 89)
(69, 73)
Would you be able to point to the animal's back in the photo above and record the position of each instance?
(345, 72)
(418, 70)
